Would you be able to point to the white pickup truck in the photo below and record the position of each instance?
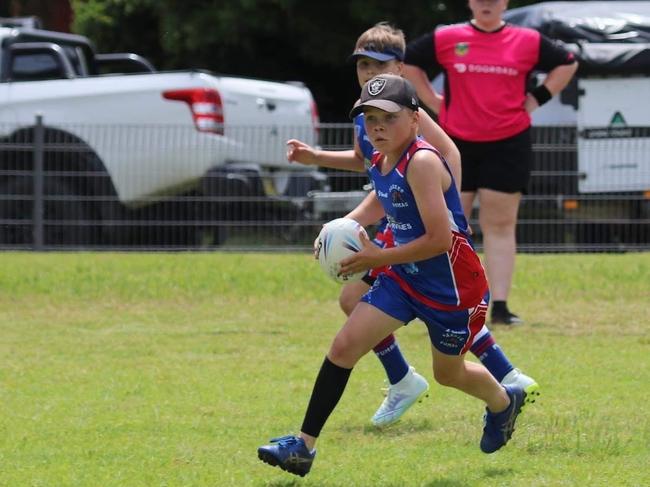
(120, 147)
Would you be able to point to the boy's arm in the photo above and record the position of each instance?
(367, 212)
(427, 179)
(302, 153)
(437, 137)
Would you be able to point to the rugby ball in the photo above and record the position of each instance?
(337, 240)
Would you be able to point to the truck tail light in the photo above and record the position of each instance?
(570, 205)
(206, 107)
(315, 118)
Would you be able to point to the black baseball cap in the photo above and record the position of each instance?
(387, 92)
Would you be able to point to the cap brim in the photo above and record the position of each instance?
(379, 56)
(385, 105)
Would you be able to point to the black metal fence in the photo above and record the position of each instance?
(157, 188)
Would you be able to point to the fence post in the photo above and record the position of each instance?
(39, 206)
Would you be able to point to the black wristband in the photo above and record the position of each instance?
(541, 94)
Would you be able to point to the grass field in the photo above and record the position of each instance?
(171, 369)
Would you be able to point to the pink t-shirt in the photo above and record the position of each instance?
(485, 76)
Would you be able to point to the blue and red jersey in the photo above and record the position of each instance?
(486, 76)
(450, 281)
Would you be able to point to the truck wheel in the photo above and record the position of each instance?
(60, 205)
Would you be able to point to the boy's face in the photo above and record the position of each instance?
(368, 68)
(389, 131)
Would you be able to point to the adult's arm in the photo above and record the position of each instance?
(559, 63)
(419, 60)
(438, 138)
(426, 93)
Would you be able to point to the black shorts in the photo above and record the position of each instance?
(501, 165)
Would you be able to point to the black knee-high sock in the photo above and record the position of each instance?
(328, 389)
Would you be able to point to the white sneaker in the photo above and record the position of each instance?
(517, 378)
(401, 396)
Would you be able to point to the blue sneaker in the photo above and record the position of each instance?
(498, 427)
(289, 453)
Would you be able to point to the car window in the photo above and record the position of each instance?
(35, 66)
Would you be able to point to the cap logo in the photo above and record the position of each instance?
(376, 86)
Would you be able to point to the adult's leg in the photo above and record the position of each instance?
(498, 220)
(467, 200)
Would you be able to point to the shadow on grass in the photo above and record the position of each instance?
(402, 428)
(284, 483)
(491, 473)
(239, 331)
(434, 483)
(446, 483)
(488, 473)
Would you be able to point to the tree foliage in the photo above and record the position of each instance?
(275, 39)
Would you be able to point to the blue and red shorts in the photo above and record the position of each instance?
(451, 332)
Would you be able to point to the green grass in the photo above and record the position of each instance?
(170, 370)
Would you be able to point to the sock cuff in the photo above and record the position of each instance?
(384, 344)
(331, 366)
(481, 345)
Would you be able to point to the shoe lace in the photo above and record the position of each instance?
(490, 424)
(385, 388)
(392, 398)
(285, 441)
(509, 426)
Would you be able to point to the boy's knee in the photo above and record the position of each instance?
(446, 377)
(347, 304)
(342, 352)
(348, 299)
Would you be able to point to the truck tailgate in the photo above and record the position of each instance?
(263, 115)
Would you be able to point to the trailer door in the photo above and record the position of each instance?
(614, 135)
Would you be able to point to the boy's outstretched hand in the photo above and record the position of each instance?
(300, 152)
(367, 258)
